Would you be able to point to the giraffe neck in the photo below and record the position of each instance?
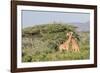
(69, 39)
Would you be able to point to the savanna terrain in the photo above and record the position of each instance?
(40, 43)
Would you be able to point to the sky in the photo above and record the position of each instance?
(32, 17)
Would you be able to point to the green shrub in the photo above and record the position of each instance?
(40, 43)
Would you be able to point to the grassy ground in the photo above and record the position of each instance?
(55, 56)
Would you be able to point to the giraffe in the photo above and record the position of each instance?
(65, 45)
(74, 45)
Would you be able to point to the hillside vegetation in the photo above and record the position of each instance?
(40, 43)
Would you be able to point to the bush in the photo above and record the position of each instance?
(40, 43)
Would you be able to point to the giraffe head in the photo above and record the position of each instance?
(69, 34)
